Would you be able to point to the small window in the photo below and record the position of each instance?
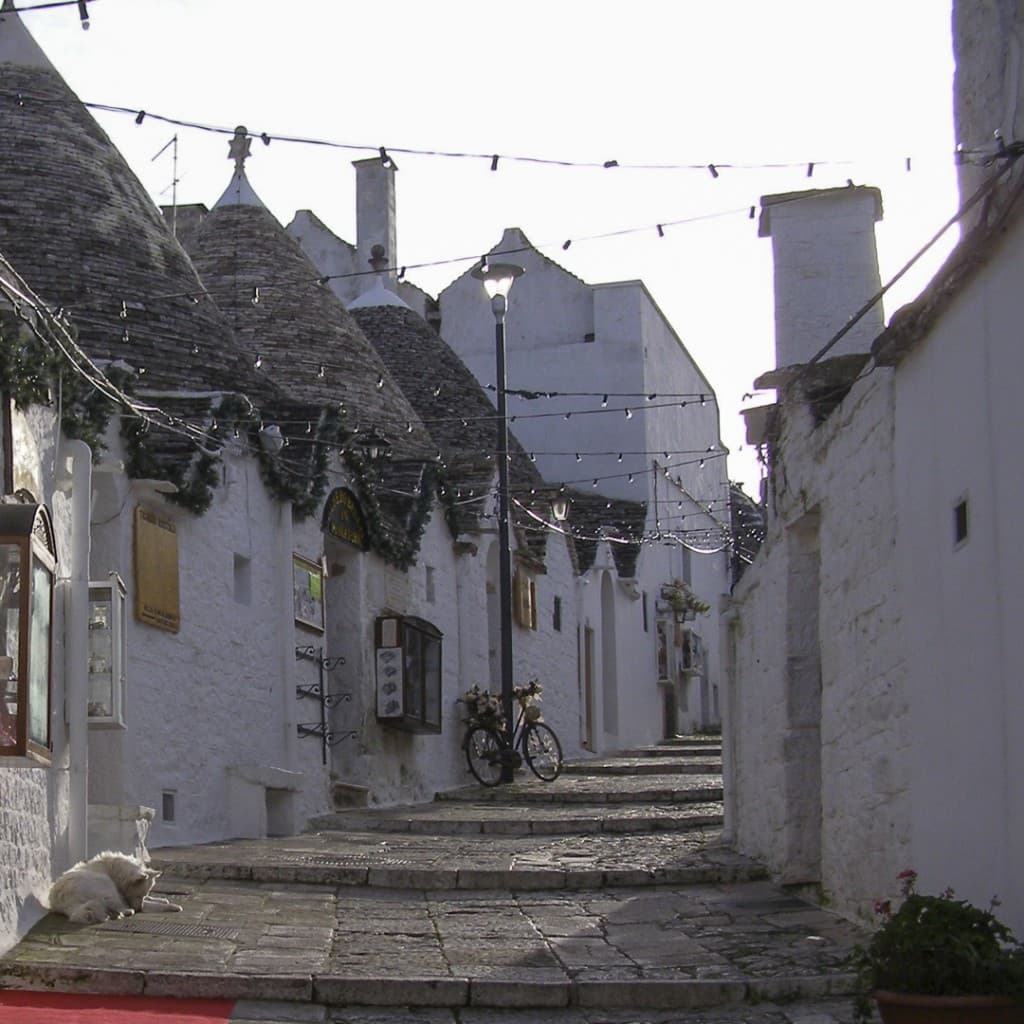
(107, 652)
(960, 522)
(408, 674)
(556, 616)
(643, 605)
(167, 807)
(428, 584)
(524, 600)
(243, 580)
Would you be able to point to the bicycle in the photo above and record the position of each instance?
(533, 741)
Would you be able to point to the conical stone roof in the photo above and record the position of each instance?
(80, 228)
(298, 330)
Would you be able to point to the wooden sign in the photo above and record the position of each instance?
(157, 600)
(343, 518)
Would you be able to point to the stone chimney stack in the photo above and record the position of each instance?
(375, 213)
(988, 87)
(826, 268)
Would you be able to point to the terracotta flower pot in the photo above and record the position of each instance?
(902, 1008)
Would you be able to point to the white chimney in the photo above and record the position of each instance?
(988, 88)
(375, 214)
(826, 269)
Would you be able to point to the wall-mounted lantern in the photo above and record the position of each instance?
(28, 558)
(107, 652)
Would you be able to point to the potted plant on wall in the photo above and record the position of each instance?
(938, 959)
(682, 600)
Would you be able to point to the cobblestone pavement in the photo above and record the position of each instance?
(433, 924)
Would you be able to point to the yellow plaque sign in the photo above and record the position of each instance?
(156, 571)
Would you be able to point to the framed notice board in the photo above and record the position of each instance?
(157, 600)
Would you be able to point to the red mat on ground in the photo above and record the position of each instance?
(69, 1008)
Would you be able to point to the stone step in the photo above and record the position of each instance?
(675, 750)
(643, 765)
(436, 862)
(676, 948)
(570, 789)
(455, 818)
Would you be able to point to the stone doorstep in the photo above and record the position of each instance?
(516, 991)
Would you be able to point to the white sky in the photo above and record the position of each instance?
(862, 85)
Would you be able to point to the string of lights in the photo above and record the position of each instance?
(493, 160)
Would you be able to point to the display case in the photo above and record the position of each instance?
(107, 653)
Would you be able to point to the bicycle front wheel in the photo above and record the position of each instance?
(542, 750)
(483, 753)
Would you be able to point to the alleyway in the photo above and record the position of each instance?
(602, 897)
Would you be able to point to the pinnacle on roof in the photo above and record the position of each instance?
(239, 192)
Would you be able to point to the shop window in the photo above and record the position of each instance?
(408, 674)
(107, 649)
(27, 563)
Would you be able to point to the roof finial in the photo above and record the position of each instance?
(378, 258)
(240, 148)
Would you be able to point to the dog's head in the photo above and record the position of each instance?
(138, 888)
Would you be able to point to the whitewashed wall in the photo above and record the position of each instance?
(958, 428)
(836, 483)
(214, 694)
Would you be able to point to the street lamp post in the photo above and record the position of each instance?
(498, 279)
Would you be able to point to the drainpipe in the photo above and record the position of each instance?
(76, 646)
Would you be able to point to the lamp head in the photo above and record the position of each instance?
(560, 508)
(497, 278)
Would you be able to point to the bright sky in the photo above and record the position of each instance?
(855, 88)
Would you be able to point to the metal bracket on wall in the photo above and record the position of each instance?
(318, 692)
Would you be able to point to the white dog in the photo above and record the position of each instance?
(108, 885)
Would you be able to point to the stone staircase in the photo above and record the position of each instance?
(604, 890)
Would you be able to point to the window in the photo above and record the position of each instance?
(429, 585)
(556, 616)
(960, 522)
(27, 563)
(408, 674)
(647, 625)
(167, 809)
(107, 652)
(243, 580)
(524, 600)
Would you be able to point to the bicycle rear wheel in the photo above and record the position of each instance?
(542, 751)
(483, 754)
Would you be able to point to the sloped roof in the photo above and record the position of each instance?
(82, 231)
(448, 398)
(622, 522)
(303, 335)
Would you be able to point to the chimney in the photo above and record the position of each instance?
(826, 269)
(988, 89)
(375, 213)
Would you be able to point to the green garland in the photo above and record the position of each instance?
(30, 370)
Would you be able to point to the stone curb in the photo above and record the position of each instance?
(451, 992)
(427, 879)
(589, 825)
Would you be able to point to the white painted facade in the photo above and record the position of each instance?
(874, 710)
(611, 340)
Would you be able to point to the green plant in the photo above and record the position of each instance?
(937, 946)
(682, 599)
